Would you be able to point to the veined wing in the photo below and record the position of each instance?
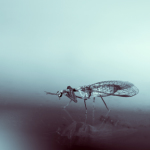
(115, 88)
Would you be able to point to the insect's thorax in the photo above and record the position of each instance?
(70, 94)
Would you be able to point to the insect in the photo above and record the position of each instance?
(99, 89)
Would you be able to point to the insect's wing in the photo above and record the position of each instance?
(126, 89)
(105, 88)
(128, 92)
(116, 88)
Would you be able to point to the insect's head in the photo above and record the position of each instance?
(69, 87)
(59, 93)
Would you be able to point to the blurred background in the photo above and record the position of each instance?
(48, 45)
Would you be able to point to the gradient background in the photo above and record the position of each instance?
(47, 45)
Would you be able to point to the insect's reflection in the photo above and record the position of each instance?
(82, 133)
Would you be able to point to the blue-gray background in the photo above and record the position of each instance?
(47, 45)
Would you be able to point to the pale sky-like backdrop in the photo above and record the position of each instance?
(46, 45)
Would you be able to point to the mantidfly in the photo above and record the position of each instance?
(99, 89)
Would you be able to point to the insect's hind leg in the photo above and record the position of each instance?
(107, 109)
(104, 103)
(93, 110)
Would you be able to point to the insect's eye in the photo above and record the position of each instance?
(60, 95)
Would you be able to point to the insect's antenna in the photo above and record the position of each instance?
(104, 102)
(50, 93)
(59, 94)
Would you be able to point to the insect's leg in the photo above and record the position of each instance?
(86, 110)
(107, 112)
(85, 105)
(93, 109)
(67, 104)
(104, 102)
